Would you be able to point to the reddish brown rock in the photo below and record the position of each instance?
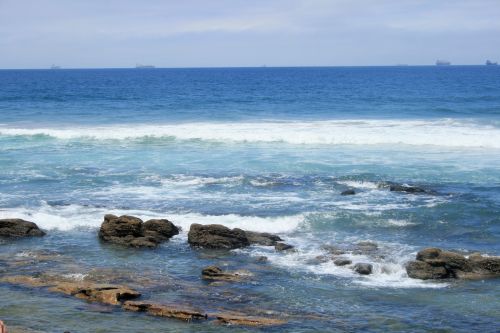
(163, 310)
(131, 231)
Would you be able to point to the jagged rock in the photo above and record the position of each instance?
(162, 310)
(348, 192)
(216, 236)
(434, 263)
(236, 319)
(19, 228)
(262, 238)
(217, 274)
(131, 231)
(283, 247)
(342, 262)
(363, 268)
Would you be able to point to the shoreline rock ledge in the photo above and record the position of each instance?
(132, 231)
(17, 228)
(434, 263)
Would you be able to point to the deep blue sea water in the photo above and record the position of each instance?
(264, 149)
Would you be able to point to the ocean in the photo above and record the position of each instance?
(261, 149)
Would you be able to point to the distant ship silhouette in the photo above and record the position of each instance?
(144, 66)
(490, 63)
(442, 63)
(55, 67)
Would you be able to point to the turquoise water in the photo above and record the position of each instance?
(265, 149)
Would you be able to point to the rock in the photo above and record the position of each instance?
(236, 319)
(348, 192)
(406, 189)
(434, 263)
(161, 229)
(365, 247)
(93, 292)
(333, 249)
(216, 236)
(102, 293)
(262, 238)
(217, 274)
(131, 231)
(283, 247)
(363, 268)
(162, 310)
(424, 271)
(16, 228)
(342, 262)
(261, 259)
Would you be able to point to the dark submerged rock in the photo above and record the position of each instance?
(216, 236)
(363, 268)
(406, 189)
(348, 192)
(16, 228)
(342, 262)
(217, 274)
(434, 263)
(131, 231)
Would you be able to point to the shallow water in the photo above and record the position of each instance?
(265, 150)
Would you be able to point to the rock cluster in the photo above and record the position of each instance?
(19, 228)
(434, 263)
(125, 297)
(132, 231)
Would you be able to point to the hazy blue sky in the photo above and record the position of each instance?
(120, 33)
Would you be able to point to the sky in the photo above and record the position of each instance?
(227, 33)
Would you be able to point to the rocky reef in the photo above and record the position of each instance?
(434, 263)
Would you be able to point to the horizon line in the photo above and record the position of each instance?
(236, 67)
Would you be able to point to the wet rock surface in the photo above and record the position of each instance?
(132, 231)
(163, 310)
(216, 236)
(262, 238)
(348, 192)
(215, 273)
(283, 247)
(363, 268)
(16, 228)
(434, 263)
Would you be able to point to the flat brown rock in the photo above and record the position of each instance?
(163, 310)
(217, 274)
(93, 292)
(237, 319)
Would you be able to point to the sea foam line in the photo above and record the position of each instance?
(444, 132)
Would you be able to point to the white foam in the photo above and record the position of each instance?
(359, 184)
(75, 216)
(389, 272)
(443, 132)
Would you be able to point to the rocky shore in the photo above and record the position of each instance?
(110, 289)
